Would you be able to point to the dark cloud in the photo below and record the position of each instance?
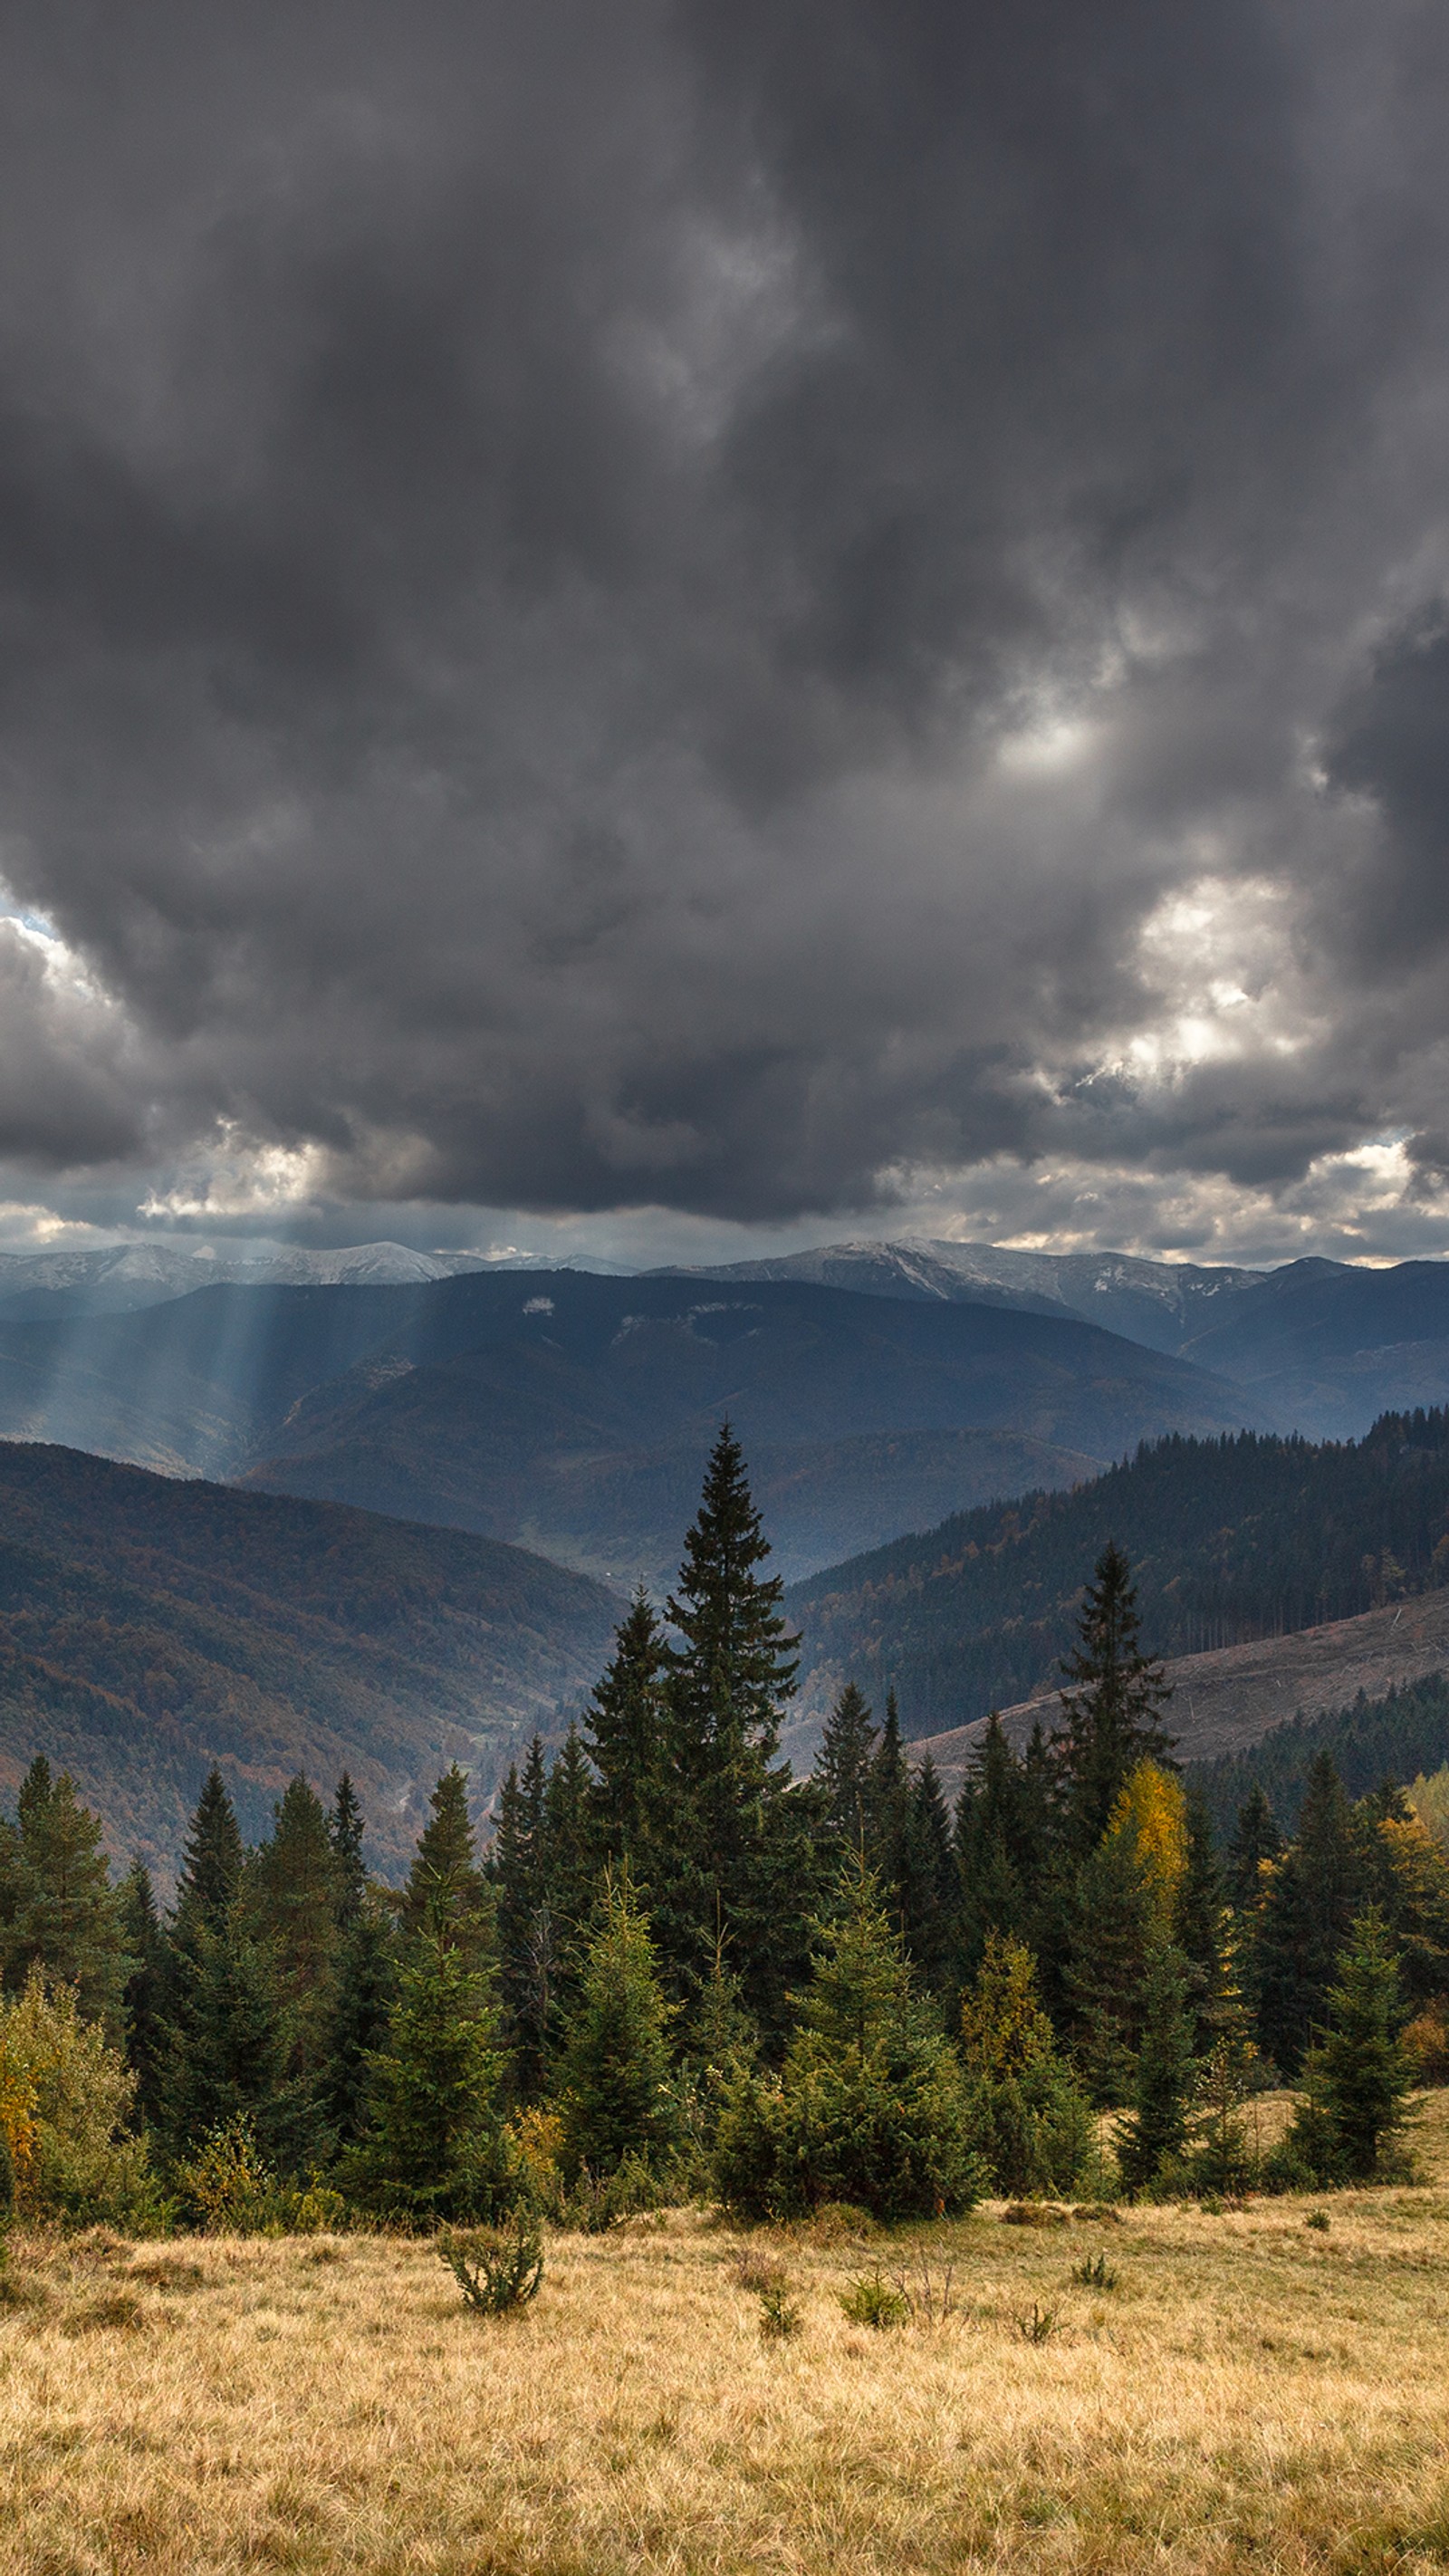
(671, 603)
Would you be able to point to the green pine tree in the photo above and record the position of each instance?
(843, 1770)
(434, 2148)
(1156, 2135)
(625, 1737)
(1109, 1934)
(345, 1832)
(1111, 1714)
(292, 1892)
(526, 1931)
(1359, 2084)
(1311, 1901)
(928, 1885)
(213, 1859)
(739, 1843)
(446, 1893)
(144, 1993)
(614, 2092)
(1257, 1838)
(869, 2105)
(363, 1997)
(228, 2043)
(64, 1914)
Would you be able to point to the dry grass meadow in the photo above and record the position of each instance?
(1253, 2393)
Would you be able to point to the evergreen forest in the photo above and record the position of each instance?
(672, 1972)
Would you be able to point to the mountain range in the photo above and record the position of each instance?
(571, 1413)
(151, 1627)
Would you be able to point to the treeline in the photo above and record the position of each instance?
(674, 1971)
(1398, 1737)
(1233, 1539)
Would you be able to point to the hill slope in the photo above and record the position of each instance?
(1233, 1696)
(571, 1413)
(149, 1628)
(1232, 1540)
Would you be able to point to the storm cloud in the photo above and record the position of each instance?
(754, 610)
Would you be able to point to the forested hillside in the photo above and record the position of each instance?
(1234, 1538)
(150, 1628)
(1370, 1741)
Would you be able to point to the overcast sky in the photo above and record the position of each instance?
(660, 627)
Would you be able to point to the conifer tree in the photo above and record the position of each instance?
(143, 1996)
(888, 1807)
(1156, 2135)
(1111, 1713)
(869, 2105)
(228, 2045)
(527, 1933)
(928, 1891)
(345, 1831)
(843, 1771)
(64, 1914)
(570, 1854)
(1256, 1838)
(1311, 1900)
(743, 1842)
(1028, 2119)
(625, 1737)
(1109, 1935)
(614, 2093)
(213, 1858)
(362, 2000)
(1361, 2075)
(434, 2146)
(292, 1895)
(997, 1863)
(446, 1895)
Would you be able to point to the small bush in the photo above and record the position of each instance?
(872, 2300)
(496, 2268)
(780, 2319)
(1094, 2272)
(228, 2187)
(1039, 2326)
(1318, 2220)
(597, 2202)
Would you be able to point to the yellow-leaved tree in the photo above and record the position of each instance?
(66, 2098)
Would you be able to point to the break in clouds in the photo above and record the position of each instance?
(766, 612)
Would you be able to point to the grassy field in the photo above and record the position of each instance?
(1252, 2393)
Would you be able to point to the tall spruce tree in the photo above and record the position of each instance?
(364, 1992)
(614, 2092)
(527, 1932)
(570, 1852)
(1000, 1854)
(1156, 2135)
(927, 1893)
(1112, 1709)
(1257, 1837)
(446, 1894)
(213, 1858)
(434, 2146)
(743, 1857)
(625, 1735)
(888, 1807)
(843, 1771)
(292, 1899)
(226, 2039)
(1311, 1900)
(345, 1831)
(144, 1993)
(1364, 2070)
(64, 1916)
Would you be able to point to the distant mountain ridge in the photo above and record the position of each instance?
(150, 1628)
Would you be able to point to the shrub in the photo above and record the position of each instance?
(1038, 2326)
(1094, 2272)
(496, 2268)
(1426, 2041)
(227, 2187)
(872, 2300)
(66, 2100)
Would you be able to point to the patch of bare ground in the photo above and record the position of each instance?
(1245, 2391)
